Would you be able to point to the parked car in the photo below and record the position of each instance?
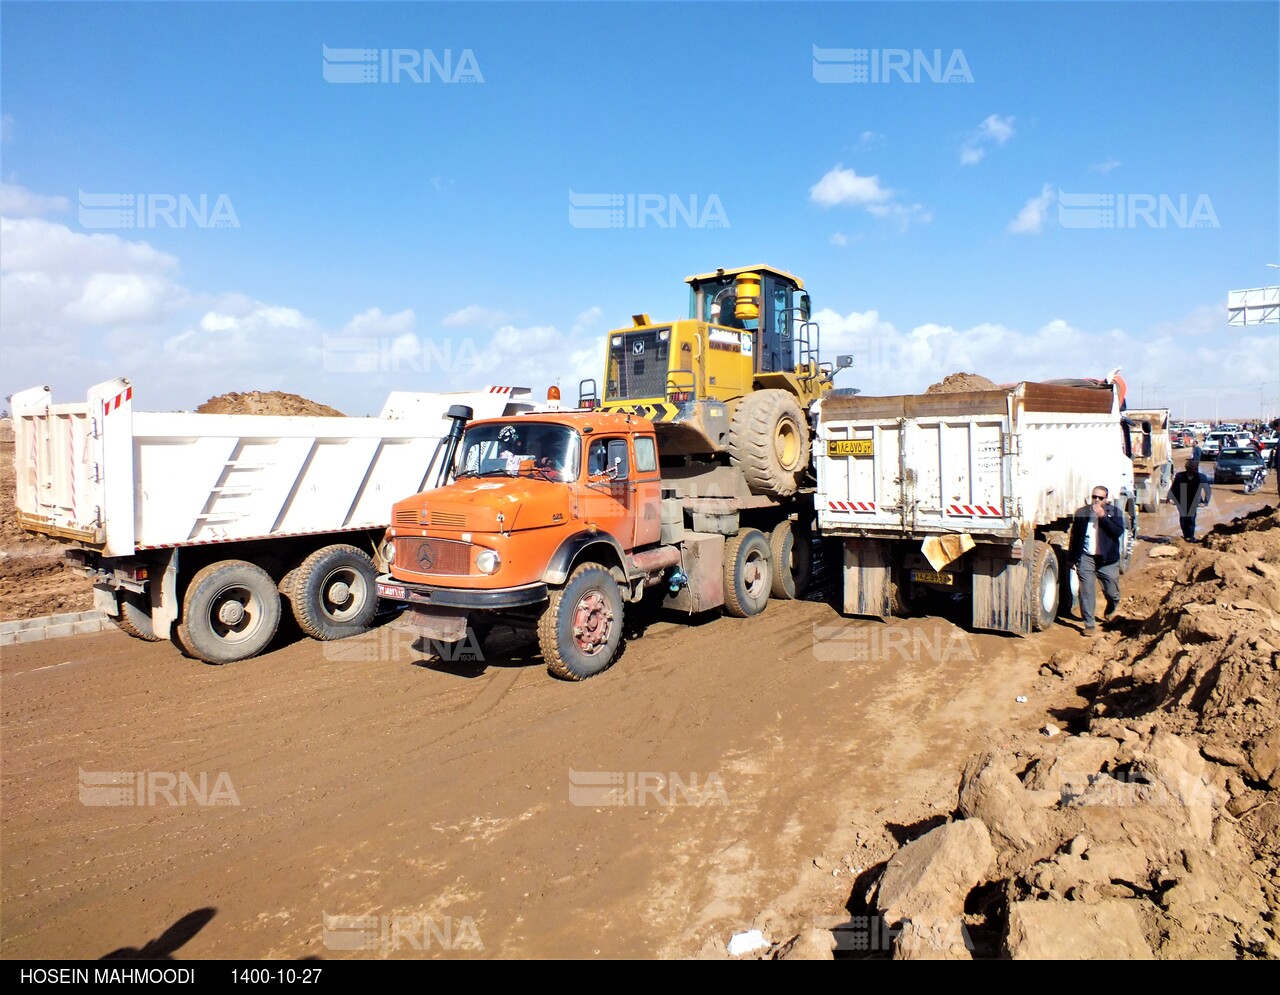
(1234, 466)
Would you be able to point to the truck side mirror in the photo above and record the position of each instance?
(804, 306)
(844, 362)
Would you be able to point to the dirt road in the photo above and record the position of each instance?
(760, 764)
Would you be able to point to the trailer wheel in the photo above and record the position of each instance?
(903, 594)
(231, 612)
(334, 592)
(769, 441)
(580, 631)
(792, 554)
(1045, 588)
(748, 572)
(133, 618)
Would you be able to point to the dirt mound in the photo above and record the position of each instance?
(33, 579)
(1153, 832)
(960, 383)
(265, 402)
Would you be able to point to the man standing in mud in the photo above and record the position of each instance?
(1190, 490)
(1094, 551)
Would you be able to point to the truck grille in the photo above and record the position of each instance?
(638, 367)
(433, 556)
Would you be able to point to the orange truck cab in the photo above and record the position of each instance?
(554, 521)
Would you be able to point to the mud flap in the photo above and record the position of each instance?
(445, 625)
(1001, 594)
(866, 578)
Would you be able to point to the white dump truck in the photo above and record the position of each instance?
(968, 492)
(1152, 454)
(207, 527)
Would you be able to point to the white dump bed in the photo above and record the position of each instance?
(994, 463)
(121, 480)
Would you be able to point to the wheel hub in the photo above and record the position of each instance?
(230, 612)
(592, 623)
(340, 593)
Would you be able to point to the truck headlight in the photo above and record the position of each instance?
(488, 562)
(389, 552)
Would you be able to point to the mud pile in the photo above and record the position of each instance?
(1154, 830)
(265, 402)
(960, 383)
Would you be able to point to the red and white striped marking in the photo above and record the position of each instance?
(501, 390)
(852, 506)
(975, 510)
(111, 404)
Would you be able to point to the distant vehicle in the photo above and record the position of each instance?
(1235, 466)
(1217, 440)
(1256, 480)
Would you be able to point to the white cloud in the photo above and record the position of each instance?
(1106, 166)
(474, 316)
(374, 322)
(889, 360)
(994, 129)
(998, 129)
(838, 239)
(1034, 213)
(870, 138)
(19, 202)
(587, 320)
(846, 187)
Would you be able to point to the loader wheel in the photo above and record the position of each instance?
(231, 612)
(134, 618)
(769, 441)
(748, 573)
(334, 593)
(580, 631)
(792, 555)
(1045, 590)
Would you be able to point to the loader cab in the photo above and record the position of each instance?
(767, 302)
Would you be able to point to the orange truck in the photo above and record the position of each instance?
(563, 521)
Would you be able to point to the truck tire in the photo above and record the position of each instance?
(1045, 587)
(903, 595)
(747, 574)
(334, 593)
(792, 554)
(231, 612)
(580, 631)
(133, 618)
(1129, 537)
(769, 442)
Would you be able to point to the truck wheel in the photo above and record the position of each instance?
(231, 612)
(1045, 589)
(769, 441)
(792, 555)
(747, 574)
(1128, 537)
(580, 632)
(134, 618)
(334, 593)
(903, 594)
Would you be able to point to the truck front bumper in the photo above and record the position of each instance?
(464, 598)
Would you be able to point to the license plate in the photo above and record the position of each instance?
(850, 447)
(393, 592)
(929, 577)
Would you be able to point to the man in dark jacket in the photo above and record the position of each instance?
(1094, 551)
(1189, 491)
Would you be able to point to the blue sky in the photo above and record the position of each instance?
(424, 228)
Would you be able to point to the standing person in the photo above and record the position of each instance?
(1274, 464)
(1189, 491)
(1094, 551)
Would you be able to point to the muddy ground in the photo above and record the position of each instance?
(761, 771)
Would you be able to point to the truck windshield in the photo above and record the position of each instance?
(547, 452)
